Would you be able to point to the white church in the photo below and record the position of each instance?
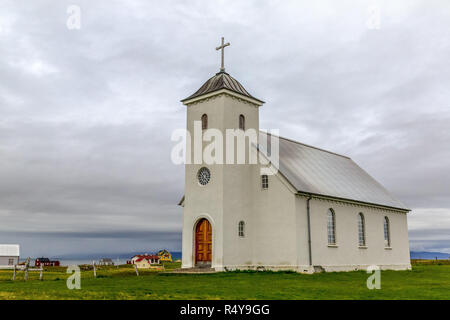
(319, 211)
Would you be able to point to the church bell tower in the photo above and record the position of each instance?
(218, 206)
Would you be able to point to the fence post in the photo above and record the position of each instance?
(135, 268)
(27, 264)
(95, 269)
(41, 274)
(14, 273)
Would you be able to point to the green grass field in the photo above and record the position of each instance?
(425, 281)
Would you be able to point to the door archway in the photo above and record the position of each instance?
(203, 242)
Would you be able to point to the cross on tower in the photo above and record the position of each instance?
(222, 47)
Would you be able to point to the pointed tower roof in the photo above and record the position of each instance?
(221, 81)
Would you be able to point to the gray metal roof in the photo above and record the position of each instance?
(316, 171)
(221, 80)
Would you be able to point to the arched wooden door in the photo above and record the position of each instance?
(203, 242)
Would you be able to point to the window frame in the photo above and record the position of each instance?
(204, 120)
(387, 232)
(264, 181)
(331, 236)
(241, 229)
(199, 180)
(362, 240)
(242, 122)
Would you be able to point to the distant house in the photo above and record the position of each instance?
(9, 254)
(145, 260)
(105, 262)
(46, 262)
(165, 256)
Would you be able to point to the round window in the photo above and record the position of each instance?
(204, 175)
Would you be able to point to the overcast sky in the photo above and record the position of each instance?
(86, 115)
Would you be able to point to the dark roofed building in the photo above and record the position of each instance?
(105, 262)
(46, 262)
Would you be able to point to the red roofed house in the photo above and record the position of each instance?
(145, 260)
(46, 262)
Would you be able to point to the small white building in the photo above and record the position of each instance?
(145, 260)
(105, 262)
(9, 254)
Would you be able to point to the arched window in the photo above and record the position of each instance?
(264, 181)
(361, 230)
(387, 233)
(331, 227)
(241, 122)
(204, 122)
(241, 229)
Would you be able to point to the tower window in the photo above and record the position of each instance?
(204, 176)
(241, 122)
(241, 229)
(204, 122)
(265, 181)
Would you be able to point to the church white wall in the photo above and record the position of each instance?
(274, 224)
(237, 187)
(203, 201)
(302, 235)
(347, 255)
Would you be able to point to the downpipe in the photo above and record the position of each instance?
(308, 213)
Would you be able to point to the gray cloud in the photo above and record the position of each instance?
(86, 115)
(430, 246)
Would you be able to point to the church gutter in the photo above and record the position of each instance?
(354, 202)
(309, 228)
